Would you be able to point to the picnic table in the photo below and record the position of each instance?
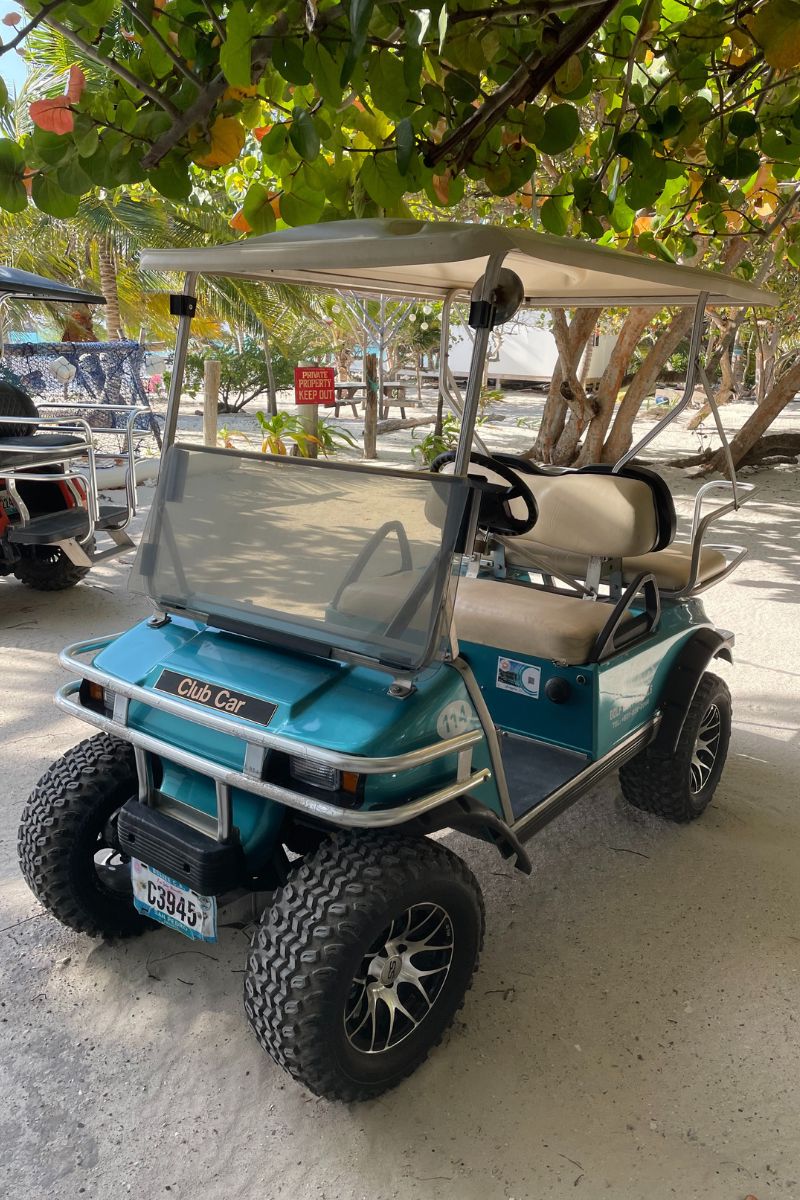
(394, 395)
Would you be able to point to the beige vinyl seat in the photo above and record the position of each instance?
(492, 612)
(670, 566)
(600, 515)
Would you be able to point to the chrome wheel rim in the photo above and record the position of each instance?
(706, 747)
(400, 979)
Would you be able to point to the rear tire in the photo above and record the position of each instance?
(679, 787)
(49, 569)
(67, 843)
(362, 962)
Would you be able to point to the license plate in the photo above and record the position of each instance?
(162, 899)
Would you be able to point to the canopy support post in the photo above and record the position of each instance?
(472, 394)
(726, 450)
(692, 369)
(446, 383)
(186, 310)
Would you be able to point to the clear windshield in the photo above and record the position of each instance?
(345, 556)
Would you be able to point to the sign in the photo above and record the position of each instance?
(224, 700)
(314, 385)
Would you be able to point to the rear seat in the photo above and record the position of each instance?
(670, 566)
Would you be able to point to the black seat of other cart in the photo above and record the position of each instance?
(36, 446)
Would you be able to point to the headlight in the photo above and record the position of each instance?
(94, 696)
(316, 774)
(328, 779)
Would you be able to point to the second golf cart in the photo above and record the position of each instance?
(346, 659)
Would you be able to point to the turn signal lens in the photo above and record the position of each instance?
(350, 782)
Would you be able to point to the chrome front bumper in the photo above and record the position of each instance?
(255, 743)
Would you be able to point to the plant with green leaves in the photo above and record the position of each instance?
(434, 443)
(283, 428)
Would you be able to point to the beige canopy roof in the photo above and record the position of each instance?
(432, 258)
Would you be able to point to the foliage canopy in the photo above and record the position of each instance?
(656, 120)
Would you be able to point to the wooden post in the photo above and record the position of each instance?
(211, 378)
(371, 406)
(309, 419)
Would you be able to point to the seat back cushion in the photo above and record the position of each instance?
(589, 512)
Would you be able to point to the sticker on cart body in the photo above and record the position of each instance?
(519, 677)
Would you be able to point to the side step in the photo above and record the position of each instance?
(112, 516)
(51, 527)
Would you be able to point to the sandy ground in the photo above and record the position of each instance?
(632, 1031)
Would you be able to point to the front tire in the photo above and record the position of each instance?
(362, 962)
(680, 787)
(67, 843)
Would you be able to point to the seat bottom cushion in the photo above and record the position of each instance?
(491, 612)
(671, 567)
(523, 620)
(13, 449)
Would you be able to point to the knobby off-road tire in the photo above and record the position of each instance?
(679, 787)
(341, 946)
(48, 569)
(67, 839)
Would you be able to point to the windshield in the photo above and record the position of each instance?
(341, 555)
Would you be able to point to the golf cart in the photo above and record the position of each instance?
(344, 660)
(50, 513)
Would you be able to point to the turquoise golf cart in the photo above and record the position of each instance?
(345, 660)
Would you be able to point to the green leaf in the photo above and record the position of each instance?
(3, 94)
(51, 198)
(635, 147)
(387, 83)
(73, 179)
(743, 124)
(235, 55)
(553, 215)
(561, 129)
(533, 124)
(172, 180)
(86, 142)
(303, 135)
(360, 15)
(405, 145)
(257, 209)
(648, 242)
(740, 163)
(382, 180)
(13, 197)
(287, 58)
(325, 70)
(302, 205)
(442, 26)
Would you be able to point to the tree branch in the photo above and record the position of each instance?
(109, 64)
(34, 21)
(151, 30)
(526, 83)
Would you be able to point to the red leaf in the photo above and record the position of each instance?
(53, 115)
(77, 82)
(261, 131)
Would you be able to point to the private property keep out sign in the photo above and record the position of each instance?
(314, 385)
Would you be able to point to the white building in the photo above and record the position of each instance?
(524, 351)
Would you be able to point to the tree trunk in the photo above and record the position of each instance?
(643, 383)
(774, 403)
(272, 395)
(555, 410)
(108, 286)
(371, 402)
(605, 397)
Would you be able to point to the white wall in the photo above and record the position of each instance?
(523, 351)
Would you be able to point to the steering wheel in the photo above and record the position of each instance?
(495, 511)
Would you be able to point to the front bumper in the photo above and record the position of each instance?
(255, 742)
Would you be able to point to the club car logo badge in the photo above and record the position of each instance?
(221, 699)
